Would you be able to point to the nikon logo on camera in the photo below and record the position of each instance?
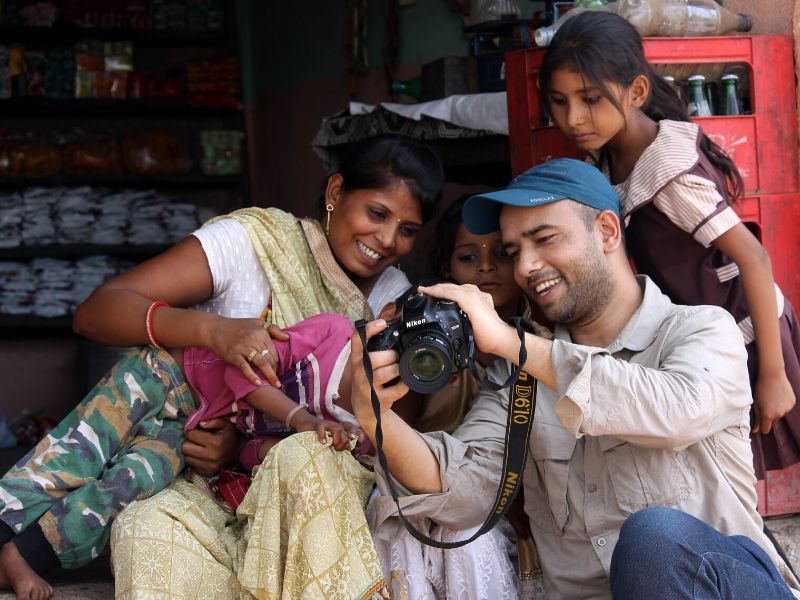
(415, 322)
(434, 340)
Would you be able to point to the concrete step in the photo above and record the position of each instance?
(94, 581)
(787, 533)
(90, 582)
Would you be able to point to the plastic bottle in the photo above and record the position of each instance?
(677, 18)
(730, 102)
(698, 102)
(544, 35)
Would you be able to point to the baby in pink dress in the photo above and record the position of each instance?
(315, 396)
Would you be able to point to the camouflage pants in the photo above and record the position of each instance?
(122, 443)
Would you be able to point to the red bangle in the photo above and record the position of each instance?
(148, 323)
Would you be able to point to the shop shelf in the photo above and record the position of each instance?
(27, 325)
(129, 251)
(68, 33)
(125, 180)
(44, 107)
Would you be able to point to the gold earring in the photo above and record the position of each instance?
(329, 209)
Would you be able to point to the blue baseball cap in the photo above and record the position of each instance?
(559, 179)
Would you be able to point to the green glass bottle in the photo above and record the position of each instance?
(710, 89)
(730, 103)
(698, 102)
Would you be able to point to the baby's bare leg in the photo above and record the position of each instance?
(266, 446)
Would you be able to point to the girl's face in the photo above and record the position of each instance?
(371, 229)
(581, 111)
(481, 260)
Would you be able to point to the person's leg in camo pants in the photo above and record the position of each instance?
(122, 443)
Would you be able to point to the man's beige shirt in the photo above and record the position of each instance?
(659, 418)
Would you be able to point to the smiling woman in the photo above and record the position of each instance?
(218, 289)
(376, 202)
(371, 229)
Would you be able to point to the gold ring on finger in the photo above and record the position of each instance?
(252, 355)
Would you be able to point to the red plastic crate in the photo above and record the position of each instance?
(775, 218)
(779, 492)
(764, 144)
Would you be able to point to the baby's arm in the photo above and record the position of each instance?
(278, 405)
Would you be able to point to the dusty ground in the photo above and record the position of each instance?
(94, 581)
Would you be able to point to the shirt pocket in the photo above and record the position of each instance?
(547, 475)
(644, 477)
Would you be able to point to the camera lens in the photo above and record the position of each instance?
(426, 365)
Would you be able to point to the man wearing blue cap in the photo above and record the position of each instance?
(642, 404)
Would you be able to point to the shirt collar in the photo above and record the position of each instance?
(641, 329)
(672, 153)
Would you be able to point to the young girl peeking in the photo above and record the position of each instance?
(414, 570)
(462, 257)
(677, 190)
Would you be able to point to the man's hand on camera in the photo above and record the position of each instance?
(491, 333)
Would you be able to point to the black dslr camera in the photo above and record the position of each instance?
(433, 337)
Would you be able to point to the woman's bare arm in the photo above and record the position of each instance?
(115, 312)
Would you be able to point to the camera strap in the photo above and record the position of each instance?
(522, 401)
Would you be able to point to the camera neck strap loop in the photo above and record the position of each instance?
(522, 401)
(521, 326)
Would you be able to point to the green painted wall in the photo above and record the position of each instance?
(428, 30)
(285, 43)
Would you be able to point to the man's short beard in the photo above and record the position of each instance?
(589, 289)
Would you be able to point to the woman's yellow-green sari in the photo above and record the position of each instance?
(301, 531)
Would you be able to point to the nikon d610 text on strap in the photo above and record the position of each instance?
(522, 401)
